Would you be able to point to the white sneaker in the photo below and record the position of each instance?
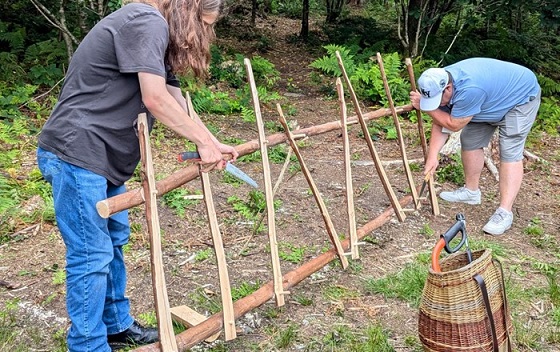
(462, 195)
(499, 222)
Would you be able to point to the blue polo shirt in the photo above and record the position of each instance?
(488, 88)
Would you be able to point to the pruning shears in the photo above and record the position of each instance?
(447, 237)
(232, 169)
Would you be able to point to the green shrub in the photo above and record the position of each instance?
(365, 75)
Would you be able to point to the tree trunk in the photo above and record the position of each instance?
(254, 13)
(304, 34)
(334, 9)
(417, 20)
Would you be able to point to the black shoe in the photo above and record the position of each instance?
(135, 335)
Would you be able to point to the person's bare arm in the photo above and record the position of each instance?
(224, 148)
(441, 117)
(437, 141)
(444, 119)
(168, 110)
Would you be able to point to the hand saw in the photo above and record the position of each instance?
(232, 169)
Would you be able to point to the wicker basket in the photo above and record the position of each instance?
(453, 314)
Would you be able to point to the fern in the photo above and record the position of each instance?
(248, 115)
(548, 119)
(11, 134)
(14, 38)
(365, 76)
(549, 86)
(264, 71)
(329, 63)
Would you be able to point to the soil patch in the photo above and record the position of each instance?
(32, 259)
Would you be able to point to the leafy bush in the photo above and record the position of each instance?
(548, 119)
(178, 201)
(365, 75)
(18, 186)
(230, 70)
(451, 170)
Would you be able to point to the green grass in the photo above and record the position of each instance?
(303, 300)
(406, 284)
(337, 293)
(286, 337)
(203, 255)
(373, 338)
(244, 289)
(290, 252)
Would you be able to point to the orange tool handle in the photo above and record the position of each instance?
(440, 245)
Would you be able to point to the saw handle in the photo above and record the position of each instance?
(445, 240)
(192, 156)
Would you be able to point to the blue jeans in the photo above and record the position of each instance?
(95, 270)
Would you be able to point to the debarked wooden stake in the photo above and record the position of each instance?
(376, 160)
(348, 172)
(269, 193)
(402, 147)
(225, 289)
(431, 189)
(165, 326)
(324, 212)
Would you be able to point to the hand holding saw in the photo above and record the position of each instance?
(232, 169)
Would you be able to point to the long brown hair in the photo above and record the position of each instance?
(189, 37)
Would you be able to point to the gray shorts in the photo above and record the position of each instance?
(513, 130)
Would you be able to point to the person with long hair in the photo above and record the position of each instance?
(89, 148)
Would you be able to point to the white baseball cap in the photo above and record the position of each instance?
(431, 85)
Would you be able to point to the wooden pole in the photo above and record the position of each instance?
(163, 314)
(225, 289)
(213, 324)
(402, 147)
(322, 207)
(431, 189)
(420, 122)
(135, 197)
(276, 270)
(376, 159)
(348, 173)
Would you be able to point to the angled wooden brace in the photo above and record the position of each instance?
(399, 132)
(376, 160)
(225, 289)
(324, 212)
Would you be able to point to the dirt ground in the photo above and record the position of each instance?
(30, 261)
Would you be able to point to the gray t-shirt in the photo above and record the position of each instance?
(94, 124)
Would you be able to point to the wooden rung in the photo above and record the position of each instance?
(194, 196)
(190, 318)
